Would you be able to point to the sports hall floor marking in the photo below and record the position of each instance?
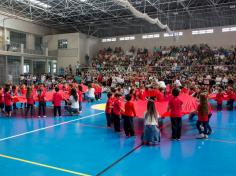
(52, 126)
(117, 161)
(222, 141)
(43, 165)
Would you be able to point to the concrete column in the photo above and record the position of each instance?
(46, 66)
(22, 48)
(4, 38)
(31, 67)
(46, 62)
(22, 64)
(30, 41)
(6, 68)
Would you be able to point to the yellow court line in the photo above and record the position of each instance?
(43, 165)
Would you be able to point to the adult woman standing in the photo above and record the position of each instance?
(151, 134)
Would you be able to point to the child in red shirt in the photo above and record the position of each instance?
(56, 100)
(80, 93)
(203, 113)
(142, 95)
(23, 94)
(15, 95)
(117, 110)
(128, 116)
(42, 102)
(109, 106)
(8, 102)
(30, 101)
(1, 100)
(230, 102)
(99, 87)
(219, 99)
(175, 108)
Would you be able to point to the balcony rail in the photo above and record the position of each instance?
(16, 47)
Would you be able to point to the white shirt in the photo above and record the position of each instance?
(177, 83)
(8, 41)
(74, 104)
(162, 84)
(91, 92)
(151, 121)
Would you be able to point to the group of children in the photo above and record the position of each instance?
(28, 96)
(116, 110)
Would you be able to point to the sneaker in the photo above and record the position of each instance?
(39, 116)
(206, 136)
(200, 136)
(44, 116)
(178, 139)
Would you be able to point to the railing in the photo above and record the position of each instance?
(30, 51)
(16, 47)
(216, 69)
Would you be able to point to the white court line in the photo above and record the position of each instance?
(40, 129)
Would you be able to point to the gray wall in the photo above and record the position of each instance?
(216, 39)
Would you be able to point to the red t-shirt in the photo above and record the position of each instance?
(1, 97)
(30, 99)
(80, 96)
(209, 108)
(129, 109)
(109, 105)
(117, 107)
(96, 90)
(99, 89)
(57, 98)
(175, 105)
(23, 91)
(184, 90)
(41, 97)
(230, 94)
(142, 95)
(8, 99)
(203, 118)
(219, 98)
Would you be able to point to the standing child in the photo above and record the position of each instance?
(15, 95)
(8, 102)
(128, 116)
(219, 99)
(117, 110)
(175, 108)
(57, 98)
(151, 132)
(209, 130)
(1, 100)
(109, 106)
(91, 93)
(203, 112)
(80, 93)
(30, 101)
(42, 102)
(23, 94)
(231, 97)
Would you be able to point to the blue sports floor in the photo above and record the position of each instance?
(82, 145)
